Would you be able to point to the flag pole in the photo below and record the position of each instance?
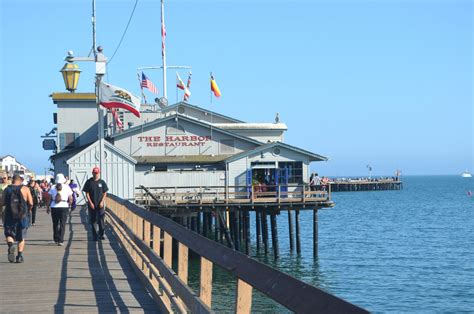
(163, 50)
(100, 112)
(210, 94)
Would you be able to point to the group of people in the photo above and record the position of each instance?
(316, 183)
(21, 198)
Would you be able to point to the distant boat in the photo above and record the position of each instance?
(466, 174)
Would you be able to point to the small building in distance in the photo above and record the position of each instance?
(180, 146)
(11, 166)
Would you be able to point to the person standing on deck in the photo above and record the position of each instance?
(60, 200)
(18, 202)
(35, 195)
(96, 192)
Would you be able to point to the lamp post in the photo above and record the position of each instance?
(71, 73)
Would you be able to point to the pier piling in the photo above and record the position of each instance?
(315, 232)
(265, 231)
(290, 231)
(258, 227)
(274, 227)
(297, 231)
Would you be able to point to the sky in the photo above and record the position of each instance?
(381, 83)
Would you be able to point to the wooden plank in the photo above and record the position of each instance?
(205, 291)
(183, 262)
(168, 249)
(243, 302)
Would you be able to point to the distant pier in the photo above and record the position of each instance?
(365, 185)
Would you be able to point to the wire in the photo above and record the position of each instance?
(124, 32)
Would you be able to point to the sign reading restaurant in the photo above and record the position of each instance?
(174, 141)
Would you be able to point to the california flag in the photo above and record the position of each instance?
(116, 97)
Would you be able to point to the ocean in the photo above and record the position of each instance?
(387, 251)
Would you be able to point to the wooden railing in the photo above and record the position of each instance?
(147, 239)
(233, 194)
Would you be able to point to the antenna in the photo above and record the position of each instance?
(165, 67)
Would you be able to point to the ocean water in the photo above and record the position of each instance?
(387, 251)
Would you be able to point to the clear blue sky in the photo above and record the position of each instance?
(386, 83)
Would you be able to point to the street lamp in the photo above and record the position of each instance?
(71, 73)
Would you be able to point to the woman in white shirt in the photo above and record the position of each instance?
(60, 201)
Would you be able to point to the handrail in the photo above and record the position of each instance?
(292, 293)
(235, 194)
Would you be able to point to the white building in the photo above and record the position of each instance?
(182, 146)
(12, 166)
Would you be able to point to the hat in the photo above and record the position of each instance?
(96, 170)
(60, 178)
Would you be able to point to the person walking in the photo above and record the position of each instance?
(96, 192)
(6, 181)
(18, 202)
(75, 194)
(60, 200)
(32, 185)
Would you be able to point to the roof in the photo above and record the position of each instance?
(185, 118)
(251, 126)
(70, 151)
(72, 96)
(108, 146)
(215, 114)
(313, 156)
(196, 159)
(1, 158)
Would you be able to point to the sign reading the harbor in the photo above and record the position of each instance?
(174, 141)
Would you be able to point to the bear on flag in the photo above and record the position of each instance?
(115, 97)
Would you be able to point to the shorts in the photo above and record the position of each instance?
(15, 229)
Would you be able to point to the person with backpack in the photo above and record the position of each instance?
(18, 202)
(96, 192)
(60, 201)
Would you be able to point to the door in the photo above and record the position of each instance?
(80, 176)
(249, 183)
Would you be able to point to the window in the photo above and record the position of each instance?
(295, 171)
(175, 130)
(68, 140)
(226, 147)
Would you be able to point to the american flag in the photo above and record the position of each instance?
(163, 32)
(188, 85)
(147, 83)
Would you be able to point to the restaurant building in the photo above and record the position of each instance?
(180, 146)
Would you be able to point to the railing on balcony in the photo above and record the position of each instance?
(280, 194)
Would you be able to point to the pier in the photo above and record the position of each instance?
(365, 185)
(143, 266)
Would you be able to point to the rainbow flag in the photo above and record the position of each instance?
(214, 88)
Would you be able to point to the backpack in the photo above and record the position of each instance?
(58, 197)
(18, 206)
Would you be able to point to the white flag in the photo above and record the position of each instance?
(115, 97)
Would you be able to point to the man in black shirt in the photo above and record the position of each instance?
(96, 192)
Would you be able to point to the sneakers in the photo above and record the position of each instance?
(20, 259)
(11, 253)
(60, 244)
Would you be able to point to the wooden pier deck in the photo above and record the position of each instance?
(80, 277)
